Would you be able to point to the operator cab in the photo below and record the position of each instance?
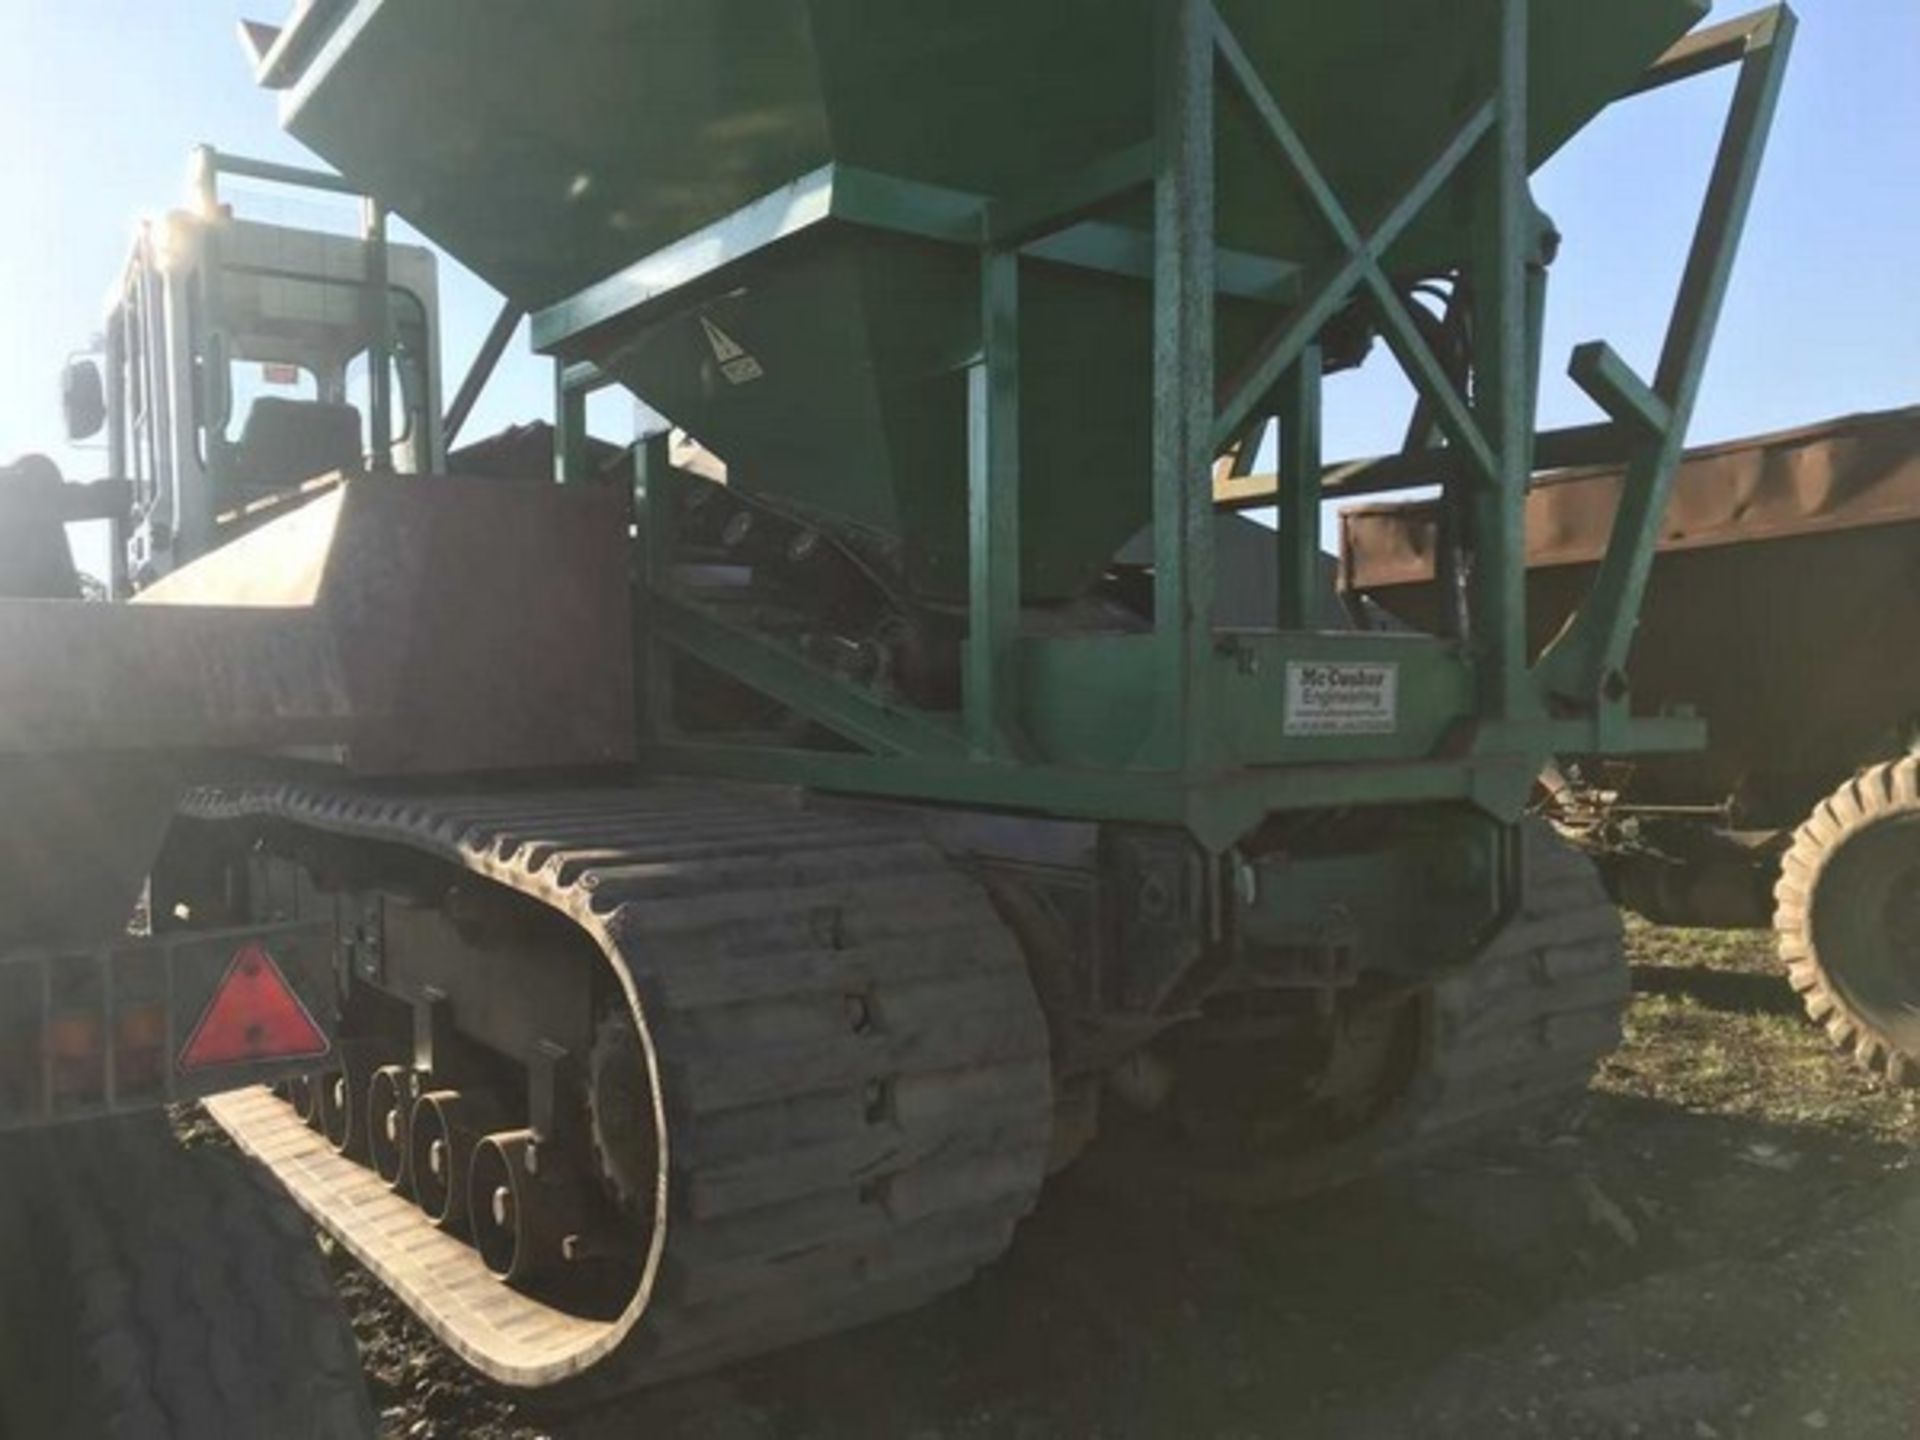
(240, 363)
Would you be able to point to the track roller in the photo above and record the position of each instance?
(442, 1132)
(341, 1104)
(303, 1095)
(390, 1100)
(523, 1212)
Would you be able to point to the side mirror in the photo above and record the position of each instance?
(83, 399)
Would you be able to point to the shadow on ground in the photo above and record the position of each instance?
(1738, 992)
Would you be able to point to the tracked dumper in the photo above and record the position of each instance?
(748, 880)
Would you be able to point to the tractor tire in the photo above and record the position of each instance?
(167, 1294)
(1509, 1040)
(1847, 918)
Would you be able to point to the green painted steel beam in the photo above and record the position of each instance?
(653, 480)
(583, 377)
(1184, 325)
(1408, 345)
(570, 463)
(1506, 378)
(1016, 219)
(993, 509)
(851, 711)
(1328, 289)
(1723, 220)
(1430, 379)
(1298, 533)
(1219, 809)
(1711, 49)
(1610, 383)
(664, 275)
(671, 277)
(1127, 252)
(1586, 664)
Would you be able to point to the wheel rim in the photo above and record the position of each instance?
(1865, 921)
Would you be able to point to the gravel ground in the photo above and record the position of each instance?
(1724, 1241)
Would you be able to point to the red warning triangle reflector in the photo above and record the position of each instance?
(254, 1015)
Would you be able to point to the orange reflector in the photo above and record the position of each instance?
(254, 1015)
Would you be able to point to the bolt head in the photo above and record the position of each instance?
(859, 1014)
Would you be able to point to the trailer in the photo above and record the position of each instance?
(747, 881)
(1782, 562)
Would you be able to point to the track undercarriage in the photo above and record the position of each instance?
(788, 1069)
(843, 1094)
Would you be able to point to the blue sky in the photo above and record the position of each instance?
(100, 101)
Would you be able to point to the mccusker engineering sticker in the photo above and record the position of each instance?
(1327, 699)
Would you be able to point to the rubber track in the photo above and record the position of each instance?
(1512, 1038)
(1520, 1031)
(852, 1063)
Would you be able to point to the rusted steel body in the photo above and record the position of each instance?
(472, 625)
(105, 710)
(387, 626)
(1785, 564)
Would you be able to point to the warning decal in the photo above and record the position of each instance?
(1327, 699)
(736, 364)
(254, 1014)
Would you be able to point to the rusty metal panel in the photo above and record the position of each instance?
(77, 834)
(391, 626)
(1787, 565)
(475, 624)
(1844, 474)
(76, 676)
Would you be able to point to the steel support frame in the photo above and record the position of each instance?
(1217, 811)
(1193, 423)
(993, 512)
(1646, 424)
(653, 542)
(485, 361)
(1586, 664)
(1182, 775)
(379, 301)
(572, 384)
(780, 672)
(1184, 418)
